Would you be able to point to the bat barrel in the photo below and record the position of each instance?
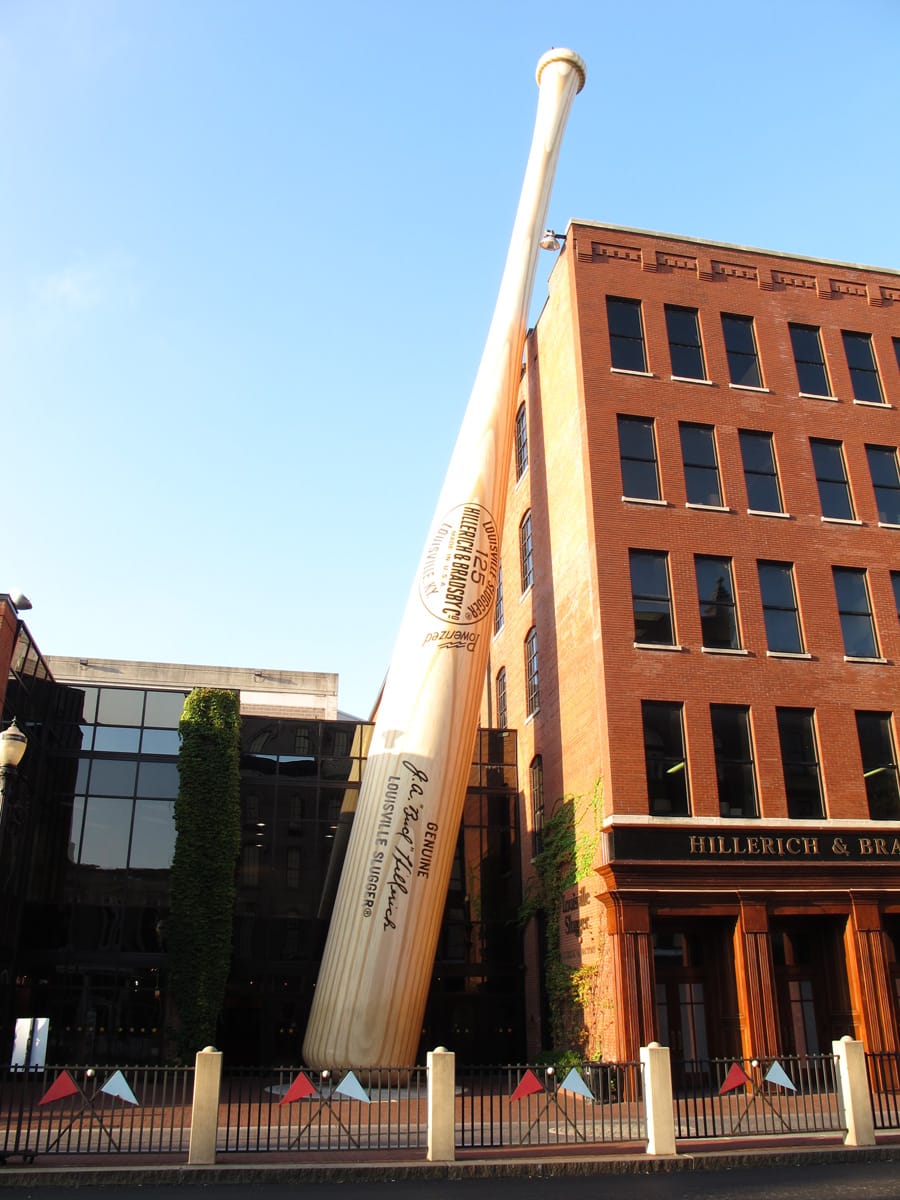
(373, 983)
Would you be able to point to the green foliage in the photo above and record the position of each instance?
(571, 835)
(207, 844)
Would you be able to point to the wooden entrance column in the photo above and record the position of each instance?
(632, 953)
(869, 976)
(755, 980)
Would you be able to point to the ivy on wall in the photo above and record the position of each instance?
(207, 844)
(570, 837)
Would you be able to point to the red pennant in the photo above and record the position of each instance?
(735, 1078)
(528, 1085)
(299, 1090)
(63, 1085)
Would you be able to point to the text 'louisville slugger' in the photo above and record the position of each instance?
(375, 973)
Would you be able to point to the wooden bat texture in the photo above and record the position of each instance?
(375, 974)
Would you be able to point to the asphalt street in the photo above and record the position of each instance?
(825, 1181)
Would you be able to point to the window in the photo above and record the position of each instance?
(886, 482)
(760, 471)
(498, 602)
(637, 454)
(502, 719)
(779, 601)
(800, 762)
(896, 342)
(855, 612)
(740, 347)
(532, 689)
(536, 777)
(521, 442)
(685, 347)
(863, 368)
(626, 334)
(667, 774)
(718, 615)
(812, 374)
(895, 584)
(650, 597)
(526, 554)
(831, 477)
(879, 763)
(701, 467)
(735, 773)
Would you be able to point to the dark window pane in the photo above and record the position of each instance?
(831, 478)
(117, 739)
(637, 451)
(107, 827)
(667, 776)
(526, 552)
(895, 584)
(501, 699)
(153, 839)
(885, 482)
(760, 471)
(740, 347)
(734, 760)
(863, 369)
(701, 468)
(521, 442)
(498, 602)
(158, 779)
(160, 741)
(120, 706)
(800, 762)
(650, 597)
(532, 688)
(718, 616)
(164, 709)
(110, 777)
(685, 348)
(855, 612)
(776, 585)
(811, 373)
(879, 761)
(626, 334)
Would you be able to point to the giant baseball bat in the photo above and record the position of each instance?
(375, 973)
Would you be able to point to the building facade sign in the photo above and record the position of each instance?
(779, 845)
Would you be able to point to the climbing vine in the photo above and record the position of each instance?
(570, 837)
(207, 843)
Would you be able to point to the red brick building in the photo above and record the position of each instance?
(699, 625)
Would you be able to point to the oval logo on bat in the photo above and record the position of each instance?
(459, 576)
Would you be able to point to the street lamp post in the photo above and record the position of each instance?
(13, 744)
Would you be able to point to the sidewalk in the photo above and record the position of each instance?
(142, 1170)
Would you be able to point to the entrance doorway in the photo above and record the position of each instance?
(811, 983)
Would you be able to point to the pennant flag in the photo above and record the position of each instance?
(574, 1083)
(116, 1086)
(299, 1090)
(62, 1086)
(528, 1085)
(350, 1086)
(735, 1078)
(777, 1074)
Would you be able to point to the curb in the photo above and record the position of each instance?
(393, 1172)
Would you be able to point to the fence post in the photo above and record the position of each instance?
(854, 1084)
(441, 1105)
(205, 1107)
(659, 1105)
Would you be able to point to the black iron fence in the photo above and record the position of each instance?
(726, 1097)
(296, 1109)
(543, 1106)
(884, 1089)
(79, 1110)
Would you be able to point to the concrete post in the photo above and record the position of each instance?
(441, 1105)
(205, 1107)
(854, 1084)
(659, 1104)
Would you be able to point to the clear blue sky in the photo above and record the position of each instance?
(249, 251)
